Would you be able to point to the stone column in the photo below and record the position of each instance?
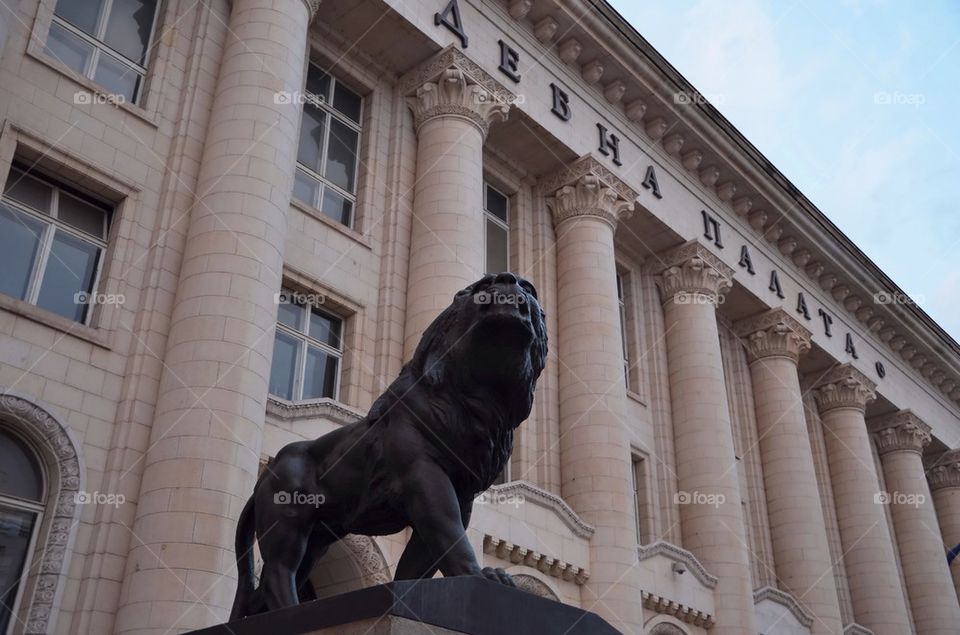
(205, 442)
(875, 589)
(711, 520)
(453, 105)
(945, 486)
(900, 438)
(587, 201)
(801, 552)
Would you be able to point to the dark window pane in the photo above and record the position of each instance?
(318, 82)
(313, 126)
(19, 473)
(67, 48)
(336, 206)
(497, 204)
(68, 277)
(128, 27)
(497, 260)
(19, 242)
(347, 102)
(283, 370)
(29, 191)
(16, 528)
(116, 77)
(80, 214)
(82, 14)
(306, 188)
(341, 155)
(325, 328)
(289, 313)
(320, 375)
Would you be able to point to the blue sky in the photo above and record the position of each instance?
(806, 81)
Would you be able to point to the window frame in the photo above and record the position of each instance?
(490, 216)
(305, 340)
(622, 281)
(53, 224)
(638, 474)
(325, 105)
(100, 47)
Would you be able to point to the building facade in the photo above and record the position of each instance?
(744, 426)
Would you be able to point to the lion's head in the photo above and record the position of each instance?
(491, 338)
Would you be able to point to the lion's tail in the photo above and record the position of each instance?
(245, 568)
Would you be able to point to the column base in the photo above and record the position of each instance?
(411, 607)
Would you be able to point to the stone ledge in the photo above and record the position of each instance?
(784, 599)
(542, 497)
(678, 554)
(314, 409)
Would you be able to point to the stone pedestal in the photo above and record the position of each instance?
(437, 606)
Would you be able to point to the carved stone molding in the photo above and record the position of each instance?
(678, 554)
(844, 387)
(451, 84)
(531, 584)
(533, 494)
(59, 454)
(684, 613)
(369, 559)
(773, 333)
(900, 432)
(316, 409)
(784, 599)
(312, 7)
(551, 566)
(692, 274)
(945, 471)
(855, 629)
(587, 188)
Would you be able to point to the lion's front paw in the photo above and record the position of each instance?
(498, 575)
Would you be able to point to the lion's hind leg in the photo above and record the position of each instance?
(283, 547)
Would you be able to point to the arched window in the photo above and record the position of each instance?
(21, 503)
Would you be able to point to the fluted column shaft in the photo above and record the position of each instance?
(875, 588)
(801, 551)
(594, 444)
(452, 113)
(901, 438)
(945, 488)
(711, 520)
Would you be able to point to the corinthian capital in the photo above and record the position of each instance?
(900, 432)
(844, 387)
(587, 188)
(451, 85)
(945, 471)
(692, 274)
(773, 333)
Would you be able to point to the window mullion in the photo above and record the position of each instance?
(46, 245)
(101, 28)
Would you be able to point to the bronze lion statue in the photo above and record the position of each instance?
(438, 436)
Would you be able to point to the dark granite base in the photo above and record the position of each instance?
(461, 604)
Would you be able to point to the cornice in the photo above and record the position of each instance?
(945, 471)
(692, 274)
(678, 554)
(328, 409)
(900, 432)
(684, 613)
(773, 333)
(516, 554)
(533, 494)
(784, 599)
(844, 387)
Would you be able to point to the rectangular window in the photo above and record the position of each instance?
(640, 508)
(107, 41)
(496, 207)
(307, 350)
(52, 241)
(329, 143)
(624, 340)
